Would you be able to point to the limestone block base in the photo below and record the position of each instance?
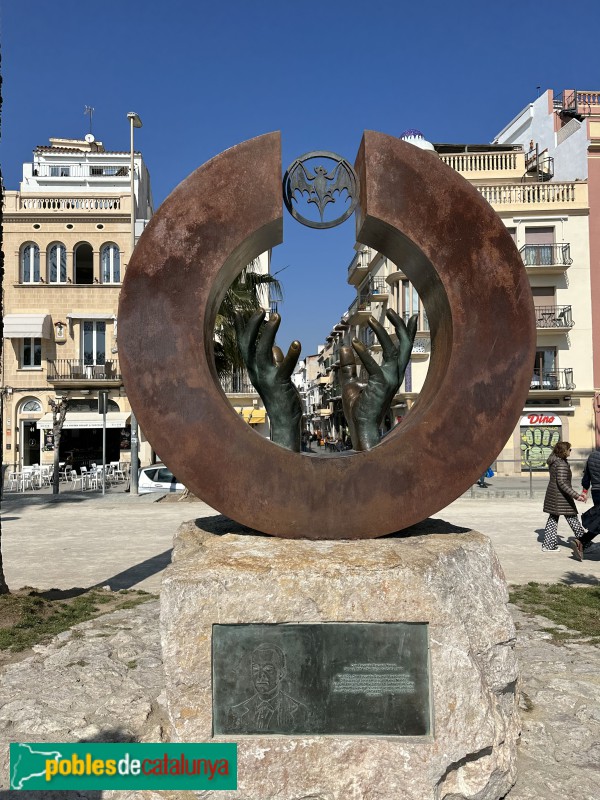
(452, 581)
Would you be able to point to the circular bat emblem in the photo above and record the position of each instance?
(320, 178)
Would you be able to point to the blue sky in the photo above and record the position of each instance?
(204, 76)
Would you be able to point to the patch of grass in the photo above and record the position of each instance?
(29, 617)
(132, 664)
(575, 607)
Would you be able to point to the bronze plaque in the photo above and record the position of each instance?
(368, 678)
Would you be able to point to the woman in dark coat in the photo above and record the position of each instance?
(560, 497)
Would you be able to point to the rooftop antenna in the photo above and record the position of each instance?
(89, 110)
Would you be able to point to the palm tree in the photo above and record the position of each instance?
(249, 292)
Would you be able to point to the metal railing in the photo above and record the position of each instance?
(523, 482)
(76, 369)
(553, 317)
(552, 380)
(81, 170)
(546, 255)
(359, 261)
(237, 382)
(378, 286)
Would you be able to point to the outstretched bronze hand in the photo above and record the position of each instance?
(365, 405)
(271, 374)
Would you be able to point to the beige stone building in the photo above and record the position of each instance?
(549, 222)
(67, 233)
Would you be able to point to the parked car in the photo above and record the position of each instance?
(158, 478)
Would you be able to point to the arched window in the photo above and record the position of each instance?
(84, 263)
(30, 263)
(31, 406)
(57, 263)
(110, 260)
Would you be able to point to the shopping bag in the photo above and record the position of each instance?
(489, 473)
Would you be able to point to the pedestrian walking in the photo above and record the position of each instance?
(591, 518)
(560, 498)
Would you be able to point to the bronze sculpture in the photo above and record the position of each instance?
(271, 375)
(366, 406)
(462, 262)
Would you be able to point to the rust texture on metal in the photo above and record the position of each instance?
(451, 245)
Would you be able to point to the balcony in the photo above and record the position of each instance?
(359, 266)
(545, 259)
(553, 319)
(378, 290)
(75, 372)
(508, 165)
(535, 196)
(360, 310)
(557, 380)
(237, 382)
(78, 171)
(74, 205)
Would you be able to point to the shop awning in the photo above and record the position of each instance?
(255, 416)
(91, 315)
(87, 419)
(23, 326)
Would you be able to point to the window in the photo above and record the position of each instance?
(30, 263)
(31, 353)
(539, 249)
(110, 261)
(59, 172)
(93, 342)
(84, 263)
(410, 300)
(57, 263)
(31, 407)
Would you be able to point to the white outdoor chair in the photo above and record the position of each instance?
(46, 476)
(78, 479)
(13, 481)
(117, 472)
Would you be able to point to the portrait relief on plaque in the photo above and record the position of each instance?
(328, 678)
(270, 706)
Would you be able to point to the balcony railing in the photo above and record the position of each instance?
(546, 255)
(552, 380)
(69, 369)
(90, 204)
(361, 304)
(553, 317)
(81, 170)
(360, 261)
(237, 382)
(467, 163)
(379, 286)
(531, 194)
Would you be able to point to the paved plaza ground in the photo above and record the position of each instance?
(123, 541)
(104, 678)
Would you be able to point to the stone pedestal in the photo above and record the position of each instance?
(223, 574)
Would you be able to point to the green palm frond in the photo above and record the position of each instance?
(249, 292)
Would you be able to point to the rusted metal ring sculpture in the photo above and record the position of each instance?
(446, 239)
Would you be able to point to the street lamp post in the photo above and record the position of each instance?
(134, 122)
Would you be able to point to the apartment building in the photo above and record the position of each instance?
(67, 233)
(549, 220)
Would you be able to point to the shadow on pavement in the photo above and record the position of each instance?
(580, 578)
(133, 575)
